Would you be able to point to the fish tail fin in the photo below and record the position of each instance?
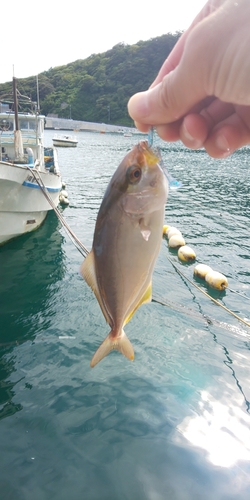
(121, 344)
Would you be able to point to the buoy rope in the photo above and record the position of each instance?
(78, 244)
(84, 251)
(230, 289)
(207, 295)
(238, 293)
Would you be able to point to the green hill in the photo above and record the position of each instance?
(97, 89)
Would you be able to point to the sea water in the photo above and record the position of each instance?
(175, 423)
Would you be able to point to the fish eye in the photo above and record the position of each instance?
(133, 174)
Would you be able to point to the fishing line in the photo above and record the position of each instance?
(183, 309)
(84, 251)
(200, 316)
(150, 137)
(227, 327)
(172, 182)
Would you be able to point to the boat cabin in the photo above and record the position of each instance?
(31, 128)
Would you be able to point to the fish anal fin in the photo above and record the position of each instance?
(146, 298)
(121, 344)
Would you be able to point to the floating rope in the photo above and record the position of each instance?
(78, 244)
(207, 295)
(84, 251)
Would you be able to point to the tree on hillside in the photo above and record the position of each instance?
(98, 88)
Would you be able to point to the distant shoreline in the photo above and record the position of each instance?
(54, 123)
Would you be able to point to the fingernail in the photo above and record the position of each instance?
(190, 141)
(222, 144)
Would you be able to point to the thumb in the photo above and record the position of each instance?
(170, 99)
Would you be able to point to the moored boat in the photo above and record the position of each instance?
(25, 165)
(65, 141)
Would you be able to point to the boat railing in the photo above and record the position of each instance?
(64, 137)
(28, 140)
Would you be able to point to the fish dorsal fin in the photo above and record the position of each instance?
(147, 296)
(89, 274)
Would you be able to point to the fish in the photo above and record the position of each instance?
(126, 243)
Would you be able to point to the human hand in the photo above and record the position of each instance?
(202, 92)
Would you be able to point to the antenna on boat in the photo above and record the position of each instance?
(37, 91)
(15, 103)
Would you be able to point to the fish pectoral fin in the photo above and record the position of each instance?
(146, 298)
(121, 344)
(145, 234)
(145, 231)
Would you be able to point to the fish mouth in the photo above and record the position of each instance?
(152, 155)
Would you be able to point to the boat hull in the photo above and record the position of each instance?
(64, 144)
(13, 224)
(23, 206)
(65, 141)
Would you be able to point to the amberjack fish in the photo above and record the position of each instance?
(127, 240)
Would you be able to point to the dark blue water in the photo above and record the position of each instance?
(175, 423)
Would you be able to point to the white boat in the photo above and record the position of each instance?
(65, 141)
(25, 165)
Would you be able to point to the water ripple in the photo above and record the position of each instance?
(175, 422)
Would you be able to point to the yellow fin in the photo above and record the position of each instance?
(121, 344)
(88, 273)
(144, 300)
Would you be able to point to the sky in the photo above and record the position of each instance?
(37, 36)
